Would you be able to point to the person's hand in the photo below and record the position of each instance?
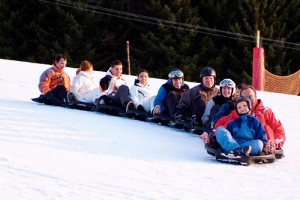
(277, 142)
(270, 147)
(205, 138)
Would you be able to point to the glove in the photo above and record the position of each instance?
(205, 138)
(269, 147)
(277, 143)
(104, 82)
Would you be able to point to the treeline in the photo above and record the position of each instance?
(163, 34)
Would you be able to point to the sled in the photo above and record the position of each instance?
(80, 105)
(139, 115)
(186, 125)
(221, 156)
(160, 119)
(111, 110)
(49, 101)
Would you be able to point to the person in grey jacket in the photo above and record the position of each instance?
(192, 104)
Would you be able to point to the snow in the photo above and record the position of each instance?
(49, 152)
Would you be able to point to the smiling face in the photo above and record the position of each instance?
(116, 70)
(242, 107)
(143, 78)
(226, 91)
(176, 82)
(208, 81)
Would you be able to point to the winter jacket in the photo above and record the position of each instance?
(224, 110)
(205, 94)
(140, 93)
(217, 100)
(265, 115)
(53, 77)
(246, 128)
(83, 87)
(163, 91)
(112, 85)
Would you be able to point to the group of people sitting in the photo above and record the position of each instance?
(237, 121)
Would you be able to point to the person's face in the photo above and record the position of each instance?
(117, 70)
(61, 63)
(226, 91)
(249, 93)
(242, 107)
(208, 81)
(143, 78)
(177, 82)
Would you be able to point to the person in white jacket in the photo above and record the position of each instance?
(142, 93)
(83, 85)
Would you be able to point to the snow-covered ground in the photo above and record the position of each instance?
(49, 152)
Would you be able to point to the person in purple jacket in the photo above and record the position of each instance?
(245, 135)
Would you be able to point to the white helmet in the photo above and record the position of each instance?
(228, 83)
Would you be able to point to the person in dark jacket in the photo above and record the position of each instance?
(245, 135)
(192, 104)
(227, 93)
(169, 94)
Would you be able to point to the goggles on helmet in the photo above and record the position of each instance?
(175, 74)
(227, 83)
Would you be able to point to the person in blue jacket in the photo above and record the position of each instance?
(245, 135)
(169, 94)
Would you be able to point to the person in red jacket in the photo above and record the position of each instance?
(273, 127)
(55, 82)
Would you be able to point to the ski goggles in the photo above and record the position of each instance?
(175, 74)
(227, 83)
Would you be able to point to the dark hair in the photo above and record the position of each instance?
(245, 87)
(58, 57)
(240, 86)
(115, 62)
(141, 71)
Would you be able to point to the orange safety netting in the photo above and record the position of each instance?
(282, 84)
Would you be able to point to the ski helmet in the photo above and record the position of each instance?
(176, 73)
(240, 99)
(228, 83)
(207, 71)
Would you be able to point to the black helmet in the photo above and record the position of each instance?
(207, 71)
(175, 73)
(240, 99)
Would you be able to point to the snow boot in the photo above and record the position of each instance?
(245, 151)
(71, 98)
(130, 106)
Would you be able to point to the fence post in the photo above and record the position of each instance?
(128, 57)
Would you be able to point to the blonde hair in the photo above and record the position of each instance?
(84, 66)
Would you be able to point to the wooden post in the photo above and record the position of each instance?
(257, 39)
(128, 57)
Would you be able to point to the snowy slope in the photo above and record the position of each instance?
(49, 152)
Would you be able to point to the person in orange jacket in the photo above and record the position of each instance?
(54, 81)
(273, 127)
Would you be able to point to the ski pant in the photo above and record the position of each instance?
(171, 103)
(60, 93)
(149, 104)
(229, 143)
(121, 97)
